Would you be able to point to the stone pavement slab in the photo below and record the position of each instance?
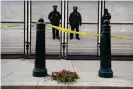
(11, 66)
(84, 66)
(92, 66)
(18, 75)
(122, 66)
(57, 65)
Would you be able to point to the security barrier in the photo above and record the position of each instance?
(70, 31)
(85, 33)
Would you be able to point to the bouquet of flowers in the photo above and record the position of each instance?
(65, 76)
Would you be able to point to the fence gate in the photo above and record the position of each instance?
(13, 37)
(41, 9)
(87, 46)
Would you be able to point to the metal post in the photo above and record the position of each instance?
(98, 29)
(27, 43)
(60, 56)
(24, 27)
(64, 44)
(101, 16)
(30, 23)
(104, 5)
(105, 52)
(40, 68)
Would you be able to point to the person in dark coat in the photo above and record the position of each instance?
(75, 20)
(106, 15)
(55, 18)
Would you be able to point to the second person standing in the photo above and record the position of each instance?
(75, 20)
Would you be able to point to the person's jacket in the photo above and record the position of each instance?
(75, 18)
(106, 16)
(54, 17)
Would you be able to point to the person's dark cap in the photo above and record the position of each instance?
(75, 7)
(41, 20)
(55, 6)
(105, 10)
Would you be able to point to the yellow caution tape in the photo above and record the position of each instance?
(85, 33)
(70, 31)
(126, 37)
(8, 26)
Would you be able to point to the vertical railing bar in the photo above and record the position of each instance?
(98, 32)
(30, 23)
(67, 33)
(61, 34)
(24, 28)
(27, 25)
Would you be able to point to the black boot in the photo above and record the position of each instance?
(77, 38)
(58, 38)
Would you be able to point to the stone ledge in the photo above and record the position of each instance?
(54, 85)
(18, 85)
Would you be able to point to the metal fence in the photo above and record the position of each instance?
(20, 40)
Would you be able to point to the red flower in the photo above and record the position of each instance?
(63, 75)
(59, 73)
(54, 73)
(75, 73)
(62, 70)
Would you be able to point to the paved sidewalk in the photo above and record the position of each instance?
(17, 74)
